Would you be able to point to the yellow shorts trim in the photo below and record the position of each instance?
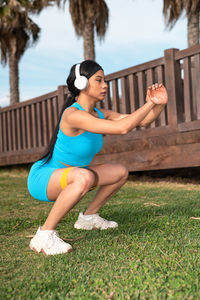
(63, 180)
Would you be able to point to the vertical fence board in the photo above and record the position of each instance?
(44, 123)
(115, 94)
(23, 127)
(28, 126)
(9, 132)
(170, 77)
(55, 112)
(34, 125)
(187, 89)
(39, 124)
(141, 87)
(125, 103)
(160, 77)
(49, 117)
(13, 115)
(133, 92)
(1, 134)
(107, 101)
(5, 143)
(19, 146)
(61, 97)
(197, 83)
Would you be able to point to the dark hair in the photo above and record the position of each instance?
(87, 68)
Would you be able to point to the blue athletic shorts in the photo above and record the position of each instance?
(38, 179)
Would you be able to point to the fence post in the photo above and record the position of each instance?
(1, 136)
(172, 86)
(61, 95)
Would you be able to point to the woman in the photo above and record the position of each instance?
(65, 173)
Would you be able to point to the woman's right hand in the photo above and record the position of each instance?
(157, 93)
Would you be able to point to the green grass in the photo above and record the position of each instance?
(154, 254)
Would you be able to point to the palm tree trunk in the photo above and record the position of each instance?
(13, 73)
(88, 38)
(193, 30)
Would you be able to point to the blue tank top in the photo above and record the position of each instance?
(76, 150)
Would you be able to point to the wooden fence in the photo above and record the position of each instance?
(26, 127)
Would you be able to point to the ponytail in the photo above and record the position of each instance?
(49, 150)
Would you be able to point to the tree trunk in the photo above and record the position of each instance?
(13, 73)
(193, 30)
(88, 38)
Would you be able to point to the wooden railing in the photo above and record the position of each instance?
(26, 127)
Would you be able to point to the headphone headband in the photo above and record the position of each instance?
(81, 81)
(77, 70)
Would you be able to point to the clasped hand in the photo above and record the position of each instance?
(157, 94)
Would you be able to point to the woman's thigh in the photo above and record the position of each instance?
(54, 184)
(109, 173)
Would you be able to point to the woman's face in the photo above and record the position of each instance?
(97, 87)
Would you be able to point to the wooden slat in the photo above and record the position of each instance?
(170, 81)
(190, 126)
(1, 134)
(49, 118)
(19, 145)
(125, 103)
(197, 83)
(39, 124)
(61, 97)
(141, 88)
(23, 127)
(28, 126)
(133, 92)
(187, 52)
(5, 140)
(9, 132)
(187, 89)
(160, 76)
(55, 112)
(14, 135)
(107, 100)
(115, 94)
(44, 123)
(34, 124)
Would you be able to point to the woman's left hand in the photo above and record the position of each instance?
(157, 94)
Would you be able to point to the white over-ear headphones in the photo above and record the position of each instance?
(81, 81)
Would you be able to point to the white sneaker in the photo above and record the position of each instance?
(49, 242)
(89, 222)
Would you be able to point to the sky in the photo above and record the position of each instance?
(136, 34)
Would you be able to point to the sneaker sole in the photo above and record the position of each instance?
(42, 250)
(82, 228)
(94, 228)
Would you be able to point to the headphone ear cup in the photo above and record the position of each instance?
(81, 82)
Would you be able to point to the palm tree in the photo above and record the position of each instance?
(17, 33)
(88, 16)
(172, 10)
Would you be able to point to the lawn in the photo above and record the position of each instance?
(154, 253)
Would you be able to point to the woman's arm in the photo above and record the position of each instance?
(156, 92)
(82, 120)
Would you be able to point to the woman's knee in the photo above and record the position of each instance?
(123, 171)
(85, 180)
